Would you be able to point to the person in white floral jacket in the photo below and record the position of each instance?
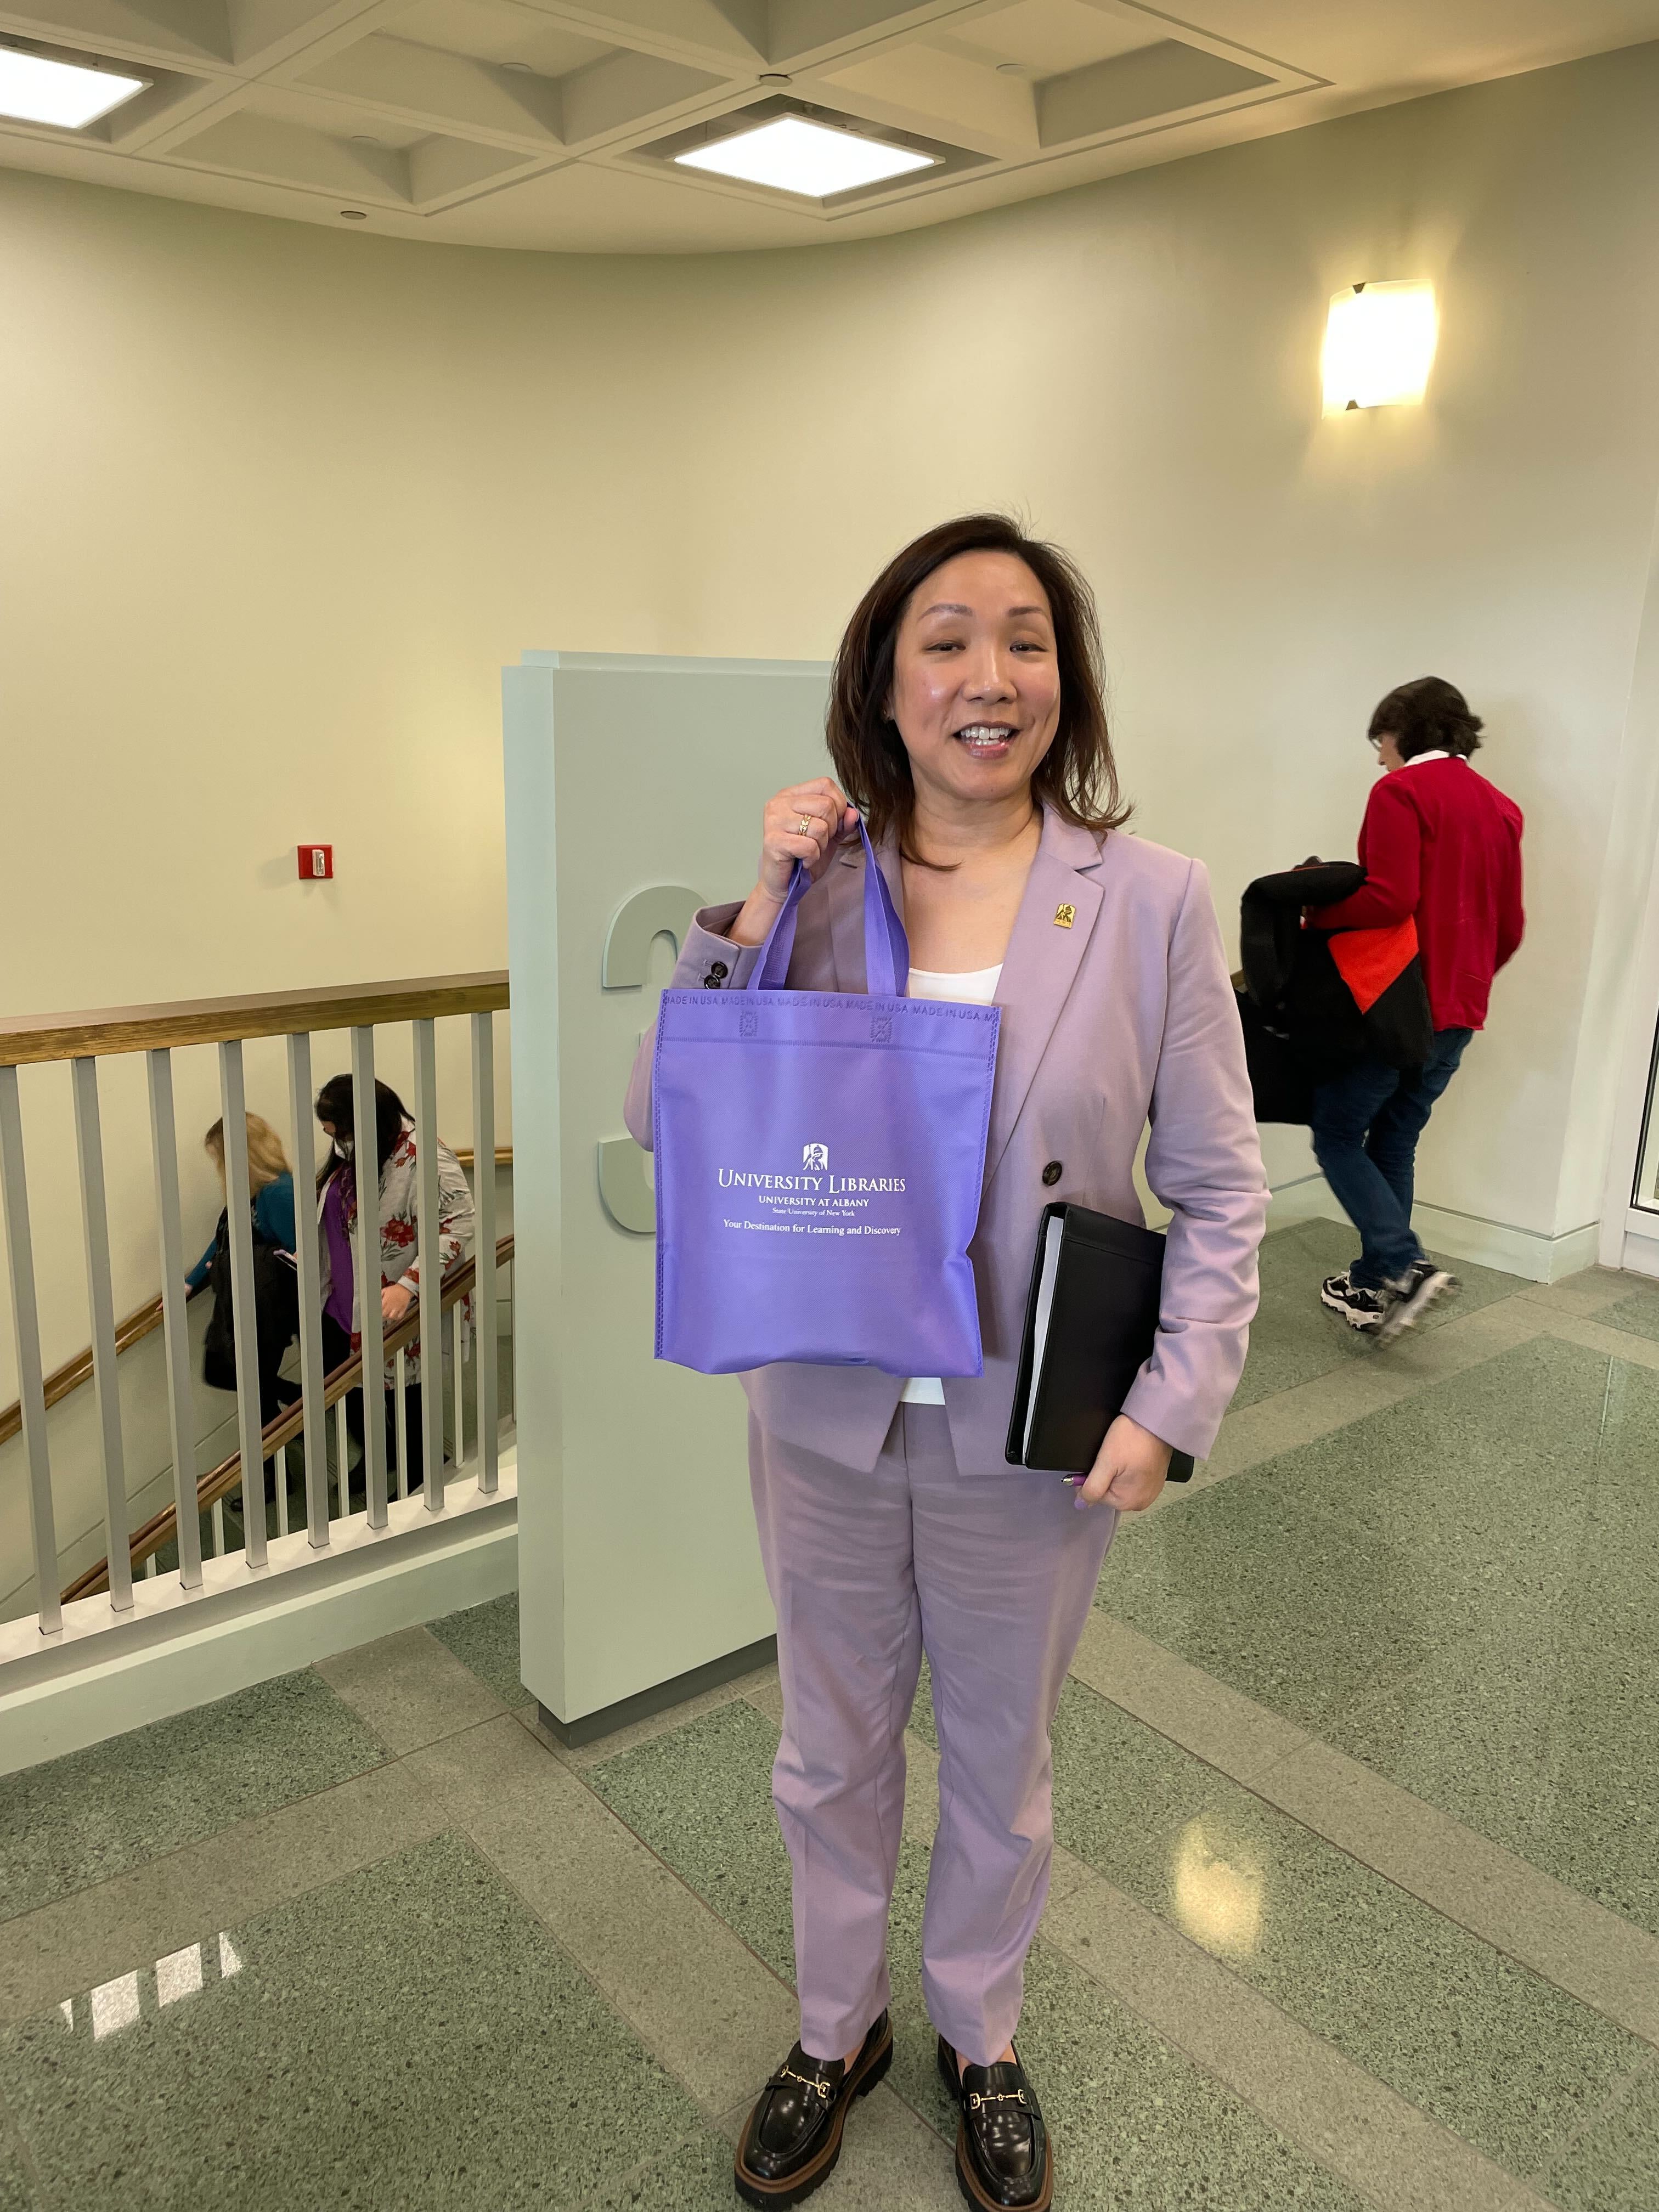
(400, 1254)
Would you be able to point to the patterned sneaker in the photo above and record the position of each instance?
(1361, 1308)
(1409, 1300)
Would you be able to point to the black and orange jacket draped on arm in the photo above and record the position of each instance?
(1315, 1002)
(1441, 848)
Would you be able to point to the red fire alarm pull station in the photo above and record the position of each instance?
(316, 863)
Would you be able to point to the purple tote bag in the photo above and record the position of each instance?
(819, 1158)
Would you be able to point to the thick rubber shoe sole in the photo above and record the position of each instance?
(967, 2180)
(795, 2188)
(1363, 1324)
(1408, 1311)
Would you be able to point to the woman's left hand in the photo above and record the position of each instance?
(1129, 1469)
(395, 1302)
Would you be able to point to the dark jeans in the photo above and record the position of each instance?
(337, 1347)
(1366, 1122)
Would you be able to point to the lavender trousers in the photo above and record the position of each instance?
(992, 1576)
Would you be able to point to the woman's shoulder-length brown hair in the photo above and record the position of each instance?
(1078, 775)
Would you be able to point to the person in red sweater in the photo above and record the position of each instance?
(1442, 846)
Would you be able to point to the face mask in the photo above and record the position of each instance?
(345, 1146)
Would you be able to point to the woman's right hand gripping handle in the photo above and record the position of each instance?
(805, 821)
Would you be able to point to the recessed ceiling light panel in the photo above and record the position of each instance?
(35, 90)
(810, 160)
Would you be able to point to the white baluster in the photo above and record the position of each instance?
(400, 1370)
(309, 1268)
(181, 1405)
(239, 1209)
(25, 1331)
(486, 1354)
(342, 1458)
(365, 1253)
(100, 1300)
(456, 1338)
(426, 1218)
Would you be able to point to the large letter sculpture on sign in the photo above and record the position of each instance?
(665, 910)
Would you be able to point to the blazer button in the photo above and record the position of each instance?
(711, 983)
(719, 968)
(1051, 1174)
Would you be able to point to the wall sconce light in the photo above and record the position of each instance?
(1379, 344)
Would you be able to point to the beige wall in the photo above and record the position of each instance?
(279, 504)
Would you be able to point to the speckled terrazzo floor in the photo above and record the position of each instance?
(1356, 1897)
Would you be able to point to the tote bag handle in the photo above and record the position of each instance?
(886, 949)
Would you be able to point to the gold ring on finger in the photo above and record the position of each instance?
(805, 828)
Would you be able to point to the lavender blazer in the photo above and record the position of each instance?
(1126, 1018)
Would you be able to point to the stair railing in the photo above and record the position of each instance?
(82, 1040)
(218, 1482)
(142, 1321)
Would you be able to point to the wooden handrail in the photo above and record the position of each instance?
(220, 1480)
(28, 1038)
(74, 1372)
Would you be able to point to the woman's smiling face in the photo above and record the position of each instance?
(976, 679)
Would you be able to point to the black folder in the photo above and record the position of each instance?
(1090, 1323)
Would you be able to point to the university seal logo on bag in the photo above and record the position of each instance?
(863, 1264)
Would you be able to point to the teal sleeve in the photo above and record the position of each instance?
(273, 1213)
(198, 1273)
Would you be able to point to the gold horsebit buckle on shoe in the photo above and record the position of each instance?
(999, 2097)
(788, 2073)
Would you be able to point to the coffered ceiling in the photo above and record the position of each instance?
(552, 124)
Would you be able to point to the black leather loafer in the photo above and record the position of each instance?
(792, 2139)
(1005, 2162)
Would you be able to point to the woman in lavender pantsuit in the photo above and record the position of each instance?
(966, 720)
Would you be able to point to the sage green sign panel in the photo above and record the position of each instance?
(634, 794)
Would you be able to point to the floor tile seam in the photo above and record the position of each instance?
(1609, 1294)
(1293, 2032)
(611, 1813)
(1271, 1762)
(720, 1921)
(269, 1900)
(1411, 1389)
(1256, 1992)
(1624, 2087)
(212, 1835)
(1210, 1475)
(12, 2137)
(1503, 1946)
(617, 2182)
(394, 1758)
(1587, 1331)
(602, 1996)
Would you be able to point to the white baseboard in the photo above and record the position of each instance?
(101, 1677)
(1639, 1253)
(1526, 1252)
(1470, 1236)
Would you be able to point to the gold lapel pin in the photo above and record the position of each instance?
(1065, 916)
